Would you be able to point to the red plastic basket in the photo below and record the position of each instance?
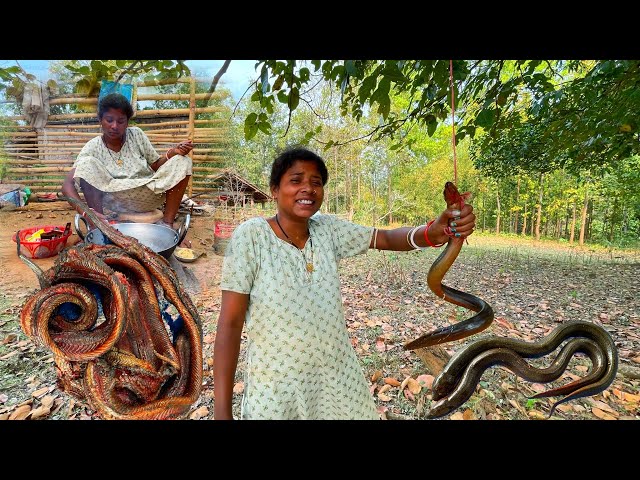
(223, 230)
(41, 248)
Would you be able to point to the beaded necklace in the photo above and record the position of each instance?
(308, 262)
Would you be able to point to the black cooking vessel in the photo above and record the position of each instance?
(159, 238)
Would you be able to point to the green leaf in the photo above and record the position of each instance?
(283, 97)
(265, 127)
(486, 118)
(350, 66)
(294, 99)
(278, 83)
(250, 130)
(251, 118)
(431, 126)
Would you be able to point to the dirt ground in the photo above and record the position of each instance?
(386, 303)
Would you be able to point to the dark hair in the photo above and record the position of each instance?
(288, 157)
(116, 101)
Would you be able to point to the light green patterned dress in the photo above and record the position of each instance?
(126, 177)
(300, 361)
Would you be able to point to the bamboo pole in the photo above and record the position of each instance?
(190, 134)
(39, 170)
(47, 162)
(141, 113)
(54, 181)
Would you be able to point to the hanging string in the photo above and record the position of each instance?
(453, 125)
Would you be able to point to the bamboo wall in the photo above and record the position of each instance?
(40, 159)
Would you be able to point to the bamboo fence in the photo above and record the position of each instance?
(40, 159)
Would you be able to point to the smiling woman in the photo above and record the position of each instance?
(280, 280)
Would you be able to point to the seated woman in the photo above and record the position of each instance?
(121, 171)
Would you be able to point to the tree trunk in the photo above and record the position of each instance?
(612, 221)
(484, 216)
(539, 213)
(573, 223)
(583, 226)
(389, 191)
(524, 220)
(498, 212)
(517, 213)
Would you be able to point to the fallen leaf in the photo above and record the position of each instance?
(537, 415)
(517, 406)
(376, 375)
(425, 380)
(40, 392)
(20, 413)
(603, 406)
(391, 381)
(564, 407)
(404, 383)
(504, 323)
(602, 415)
(380, 346)
(9, 355)
(385, 388)
(383, 397)
(414, 386)
(12, 337)
(627, 397)
(39, 412)
(238, 388)
(3, 397)
(468, 415)
(197, 414)
(47, 401)
(457, 416)
(408, 395)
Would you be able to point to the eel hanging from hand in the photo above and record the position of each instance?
(484, 313)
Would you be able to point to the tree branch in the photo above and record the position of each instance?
(214, 83)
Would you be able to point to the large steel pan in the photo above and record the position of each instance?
(159, 238)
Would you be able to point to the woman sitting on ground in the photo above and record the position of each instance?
(121, 171)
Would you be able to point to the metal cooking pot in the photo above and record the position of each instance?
(159, 238)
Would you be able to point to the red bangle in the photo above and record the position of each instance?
(426, 235)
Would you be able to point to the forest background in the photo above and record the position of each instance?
(549, 148)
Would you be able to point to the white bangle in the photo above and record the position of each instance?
(411, 241)
(167, 154)
(375, 238)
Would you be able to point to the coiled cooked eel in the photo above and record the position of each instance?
(124, 364)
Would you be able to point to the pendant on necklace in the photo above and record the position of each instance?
(309, 267)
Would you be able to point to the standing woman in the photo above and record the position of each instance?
(120, 170)
(280, 281)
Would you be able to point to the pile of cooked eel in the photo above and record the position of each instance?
(125, 335)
